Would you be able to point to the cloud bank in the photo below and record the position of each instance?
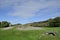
(28, 8)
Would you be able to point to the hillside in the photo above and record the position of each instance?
(53, 22)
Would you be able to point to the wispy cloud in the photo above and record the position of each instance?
(27, 8)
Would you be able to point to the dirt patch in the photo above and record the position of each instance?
(7, 28)
(30, 28)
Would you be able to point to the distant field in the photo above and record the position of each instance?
(13, 34)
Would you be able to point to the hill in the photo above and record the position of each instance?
(52, 22)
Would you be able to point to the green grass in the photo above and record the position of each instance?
(29, 34)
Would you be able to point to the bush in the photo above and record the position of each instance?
(4, 24)
(0, 23)
(55, 22)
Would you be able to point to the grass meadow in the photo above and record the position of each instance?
(14, 34)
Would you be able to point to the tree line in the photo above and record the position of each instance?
(52, 22)
(4, 24)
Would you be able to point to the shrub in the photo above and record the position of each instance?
(4, 24)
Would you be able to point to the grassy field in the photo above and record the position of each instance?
(13, 34)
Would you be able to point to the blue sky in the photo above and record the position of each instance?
(27, 11)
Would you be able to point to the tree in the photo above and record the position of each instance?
(57, 21)
(5, 24)
(54, 22)
(0, 24)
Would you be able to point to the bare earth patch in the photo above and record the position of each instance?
(23, 28)
(7, 28)
(30, 28)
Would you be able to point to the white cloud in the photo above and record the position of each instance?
(22, 14)
(27, 8)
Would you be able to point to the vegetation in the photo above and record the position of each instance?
(0, 24)
(13, 34)
(17, 24)
(4, 24)
(55, 22)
